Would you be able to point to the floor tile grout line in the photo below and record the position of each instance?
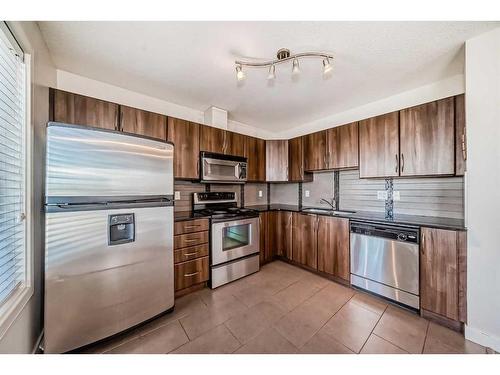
(373, 329)
(330, 318)
(185, 332)
(390, 342)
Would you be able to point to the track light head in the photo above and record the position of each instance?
(240, 75)
(327, 67)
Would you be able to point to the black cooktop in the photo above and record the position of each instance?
(220, 206)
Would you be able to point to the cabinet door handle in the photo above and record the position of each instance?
(191, 226)
(402, 162)
(397, 164)
(191, 274)
(189, 254)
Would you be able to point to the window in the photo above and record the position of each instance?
(13, 167)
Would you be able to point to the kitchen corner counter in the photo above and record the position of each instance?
(424, 221)
(187, 215)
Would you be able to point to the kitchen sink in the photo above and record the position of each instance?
(325, 211)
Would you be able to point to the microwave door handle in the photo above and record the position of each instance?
(238, 169)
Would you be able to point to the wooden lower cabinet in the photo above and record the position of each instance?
(266, 253)
(190, 273)
(191, 226)
(333, 246)
(190, 239)
(191, 251)
(442, 273)
(280, 233)
(305, 239)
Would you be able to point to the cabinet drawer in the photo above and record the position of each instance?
(190, 239)
(190, 226)
(190, 253)
(191, 273)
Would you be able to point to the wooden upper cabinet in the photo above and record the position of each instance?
(77, 109)
(136, 121)
(427, 134)
(315, 151)
(460, 138)
(256, 154)
(212, 139)
(280, 233)
(439, 272)
(185, 136)
(236, 144)
(296, 171)
(342, 147)
(277, 161)
(379, 146)
(305, 240)
(333, 246)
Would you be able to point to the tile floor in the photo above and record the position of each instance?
(284, 309)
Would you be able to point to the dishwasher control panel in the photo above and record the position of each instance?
(391, 232)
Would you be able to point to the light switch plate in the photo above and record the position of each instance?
(177, 195)
(260, 193)
(382, 195)
(396, 196)
(307, 193)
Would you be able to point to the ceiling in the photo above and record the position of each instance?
(192, 63)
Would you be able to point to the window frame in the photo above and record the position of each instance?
(14, 305)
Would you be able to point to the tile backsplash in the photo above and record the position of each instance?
(360, 194)
(187, 188)
(252, 194)
(322, 186)
(425, 196)
(285, 193)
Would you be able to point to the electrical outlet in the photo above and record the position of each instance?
(177, 195)
(260, 194)
(396, 196)
(307, 193)
(382, 195)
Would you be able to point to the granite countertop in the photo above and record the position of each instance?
(426, 221)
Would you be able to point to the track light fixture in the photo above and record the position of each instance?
(283, 55)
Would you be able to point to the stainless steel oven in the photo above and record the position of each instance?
(235, 250)
(223, 168)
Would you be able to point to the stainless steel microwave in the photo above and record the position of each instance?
(220, 168)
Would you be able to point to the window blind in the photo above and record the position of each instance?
(12, 168)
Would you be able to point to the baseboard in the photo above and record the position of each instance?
(479, 337)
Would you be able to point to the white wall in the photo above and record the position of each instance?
(25, 330)
(482, 188)
(78, 84)
(420, 95)
(86, 86)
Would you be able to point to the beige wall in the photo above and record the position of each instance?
(25, 330)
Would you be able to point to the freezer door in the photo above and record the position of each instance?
(105, 271)
(87, 162)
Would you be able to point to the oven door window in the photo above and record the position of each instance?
(235, 236)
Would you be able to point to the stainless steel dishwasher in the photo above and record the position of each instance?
(385, 261)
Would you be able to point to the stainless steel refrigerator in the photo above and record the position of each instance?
(108, 235)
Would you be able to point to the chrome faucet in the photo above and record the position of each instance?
(331, 203)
